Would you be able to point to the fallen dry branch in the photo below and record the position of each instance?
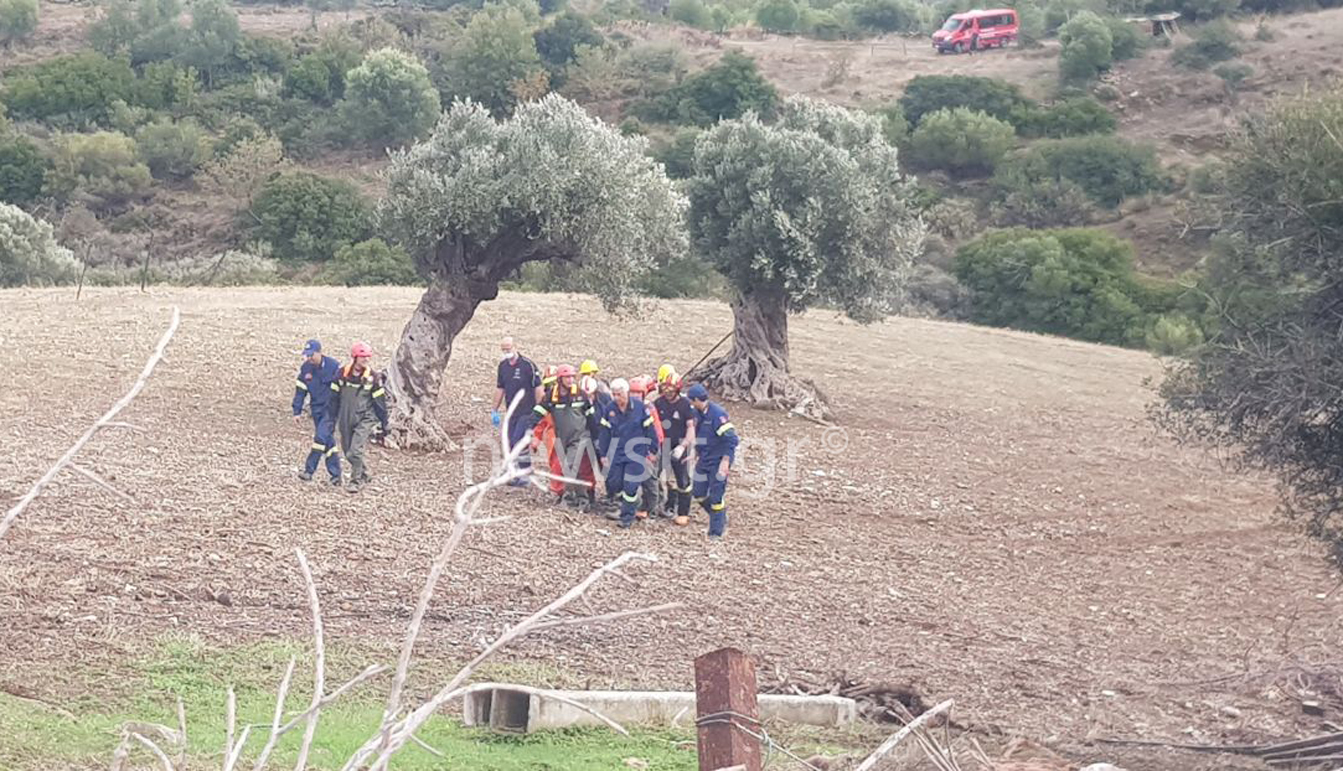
(904, 733)
(103, 422)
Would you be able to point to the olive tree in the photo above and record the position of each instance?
(809, 210)
(482, 197)
(1265, 384)
(29, 253)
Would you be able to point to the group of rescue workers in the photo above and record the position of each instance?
(647, 446)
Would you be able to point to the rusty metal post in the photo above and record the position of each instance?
(725, 698)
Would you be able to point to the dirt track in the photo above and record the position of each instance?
(1002, 525)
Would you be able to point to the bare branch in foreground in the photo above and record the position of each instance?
(102, 422)
(901, 735)
(100, 482)
(319, 666)
(279, 713)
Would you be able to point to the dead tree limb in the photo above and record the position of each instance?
(901, 735)
(319, 666)
(101, 423)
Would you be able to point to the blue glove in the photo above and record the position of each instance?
(495, 417)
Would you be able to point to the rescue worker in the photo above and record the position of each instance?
(678, 426)
(360, 408)
(715, 450)
(313, 385)
(625, 442)
(588, 386)
(517, 374)
(567, 409)
(603, 394)
(642, 386)
(665, 372)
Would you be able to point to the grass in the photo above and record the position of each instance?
(35, 736)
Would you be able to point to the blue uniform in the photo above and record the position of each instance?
(314, 385)
(715, 439)
(626, 439)
(519, 375)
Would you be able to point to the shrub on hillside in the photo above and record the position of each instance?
(678, 154)
(1042, 203)
(1074, 117)
(372, 263)
(728, 89)
(389, 99)
(23, 170)
(306, 217)
(558, 42)
(1203, 10)
(166, 86)
(319, 76)
(1215, 42)
(212, 38)
(18, 19)
(893, 123)
(961, 141)
(101, 170)
(144, 30)
(1087, 47)
(1107, 168)
(173, 150)
(777, 15)
(494, 52)
(1126, 39)
(886, 15)
(72, 90)
(1076, 283)
(929, 93)
(1233, 74)
(29, 253)
(692, 13)
(1173, 334)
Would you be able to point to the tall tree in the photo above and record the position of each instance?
(482, 197)
(811, 210)
(389, 99)
(1265, 386)
(212, 38)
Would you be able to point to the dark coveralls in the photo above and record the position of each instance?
(314, 385)
(627, 439)
(360, 405)
(570, 412)
(715, 438)
(514, 376)
(677, 415)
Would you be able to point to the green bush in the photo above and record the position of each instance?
(389, 99)
(727, 89)
(678, 154)
(1204, 10)
(893, 123)
(306, 217)
(1173, 334)
(103, 170)
(173, 150)
(1074, 117)
(1076, 283)
(886, 15)
(212, 38)
(1233, 74)
(558, 41)
(29, 253)
(166, 86)
(930, 93)
(1127, 41)
(1107, 168)
(684, 277)
(1087, 47)
(372, 263)
(23, 170)
(1215, 42)
(693, 13)
(18, 19)
(961, 141)
(495, 52)
(778, 15)
(319, 76)
(73, 90)
(144, 30)
(1042, 203)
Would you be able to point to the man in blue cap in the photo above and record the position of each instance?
(314, 384)
(715, 448)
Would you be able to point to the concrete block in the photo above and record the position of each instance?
(503, 709)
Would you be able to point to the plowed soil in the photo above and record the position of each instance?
(994, 519)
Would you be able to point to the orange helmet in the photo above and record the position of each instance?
(566, 370)
(361, 349)
(641, 385)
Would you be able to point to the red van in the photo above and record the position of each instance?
(976, 30)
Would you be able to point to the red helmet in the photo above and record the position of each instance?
(673, 382)
(567, 370)
(361, 349)
(641, 385)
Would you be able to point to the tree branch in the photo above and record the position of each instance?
(319, 666)
(69, 455)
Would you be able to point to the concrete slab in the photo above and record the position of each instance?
(504, 709)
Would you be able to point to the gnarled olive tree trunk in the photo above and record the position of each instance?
(465, 275)
(756, 369)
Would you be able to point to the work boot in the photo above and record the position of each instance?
(352, 487)
(335, 481)
(306, 476)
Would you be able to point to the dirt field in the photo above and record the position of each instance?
(996, 521)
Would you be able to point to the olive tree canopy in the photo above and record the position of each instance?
(481, 197)
(811, 210)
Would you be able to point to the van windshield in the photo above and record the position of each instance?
(952, 25)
